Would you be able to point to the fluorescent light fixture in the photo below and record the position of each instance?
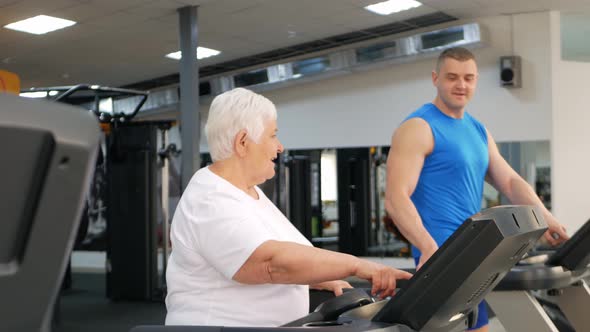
(392, 6)
(40, 24)
(202, 53)
(34, 94)
(39, 94)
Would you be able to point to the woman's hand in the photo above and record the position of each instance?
(335, 286)
(383, 278)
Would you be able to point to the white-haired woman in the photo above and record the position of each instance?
(236, 260)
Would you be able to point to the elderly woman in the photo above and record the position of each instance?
(236, 259)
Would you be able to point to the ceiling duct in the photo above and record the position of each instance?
(385, 52)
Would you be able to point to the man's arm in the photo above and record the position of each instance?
(410, 145)
(280, 262)
(518, 191)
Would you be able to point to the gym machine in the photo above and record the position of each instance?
(132, 211)
(555, 279)
(295, 190)
(354, 212)
(53, 149)
(361, 206)
(136, 156)
(385, 240)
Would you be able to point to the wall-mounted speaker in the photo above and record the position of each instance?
(510, 71)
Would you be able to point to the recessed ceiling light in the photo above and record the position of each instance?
(40, 24)
(202, 53)
(392, 6)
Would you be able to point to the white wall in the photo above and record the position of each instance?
(570, 160)
(362, 109)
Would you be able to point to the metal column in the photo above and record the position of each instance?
(189, 93)
(165, 195)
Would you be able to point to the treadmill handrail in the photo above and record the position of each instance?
(538, 277)
(66, 91)
(574, 254)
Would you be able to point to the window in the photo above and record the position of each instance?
(310, 66)
(376, 52)
(442, 37)
(251, 78)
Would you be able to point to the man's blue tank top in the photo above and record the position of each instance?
(450, 186)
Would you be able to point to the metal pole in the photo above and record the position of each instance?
(189, 93)
(165, 206)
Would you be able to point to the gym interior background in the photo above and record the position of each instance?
(342, 79)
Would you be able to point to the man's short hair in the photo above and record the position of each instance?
(458, 53)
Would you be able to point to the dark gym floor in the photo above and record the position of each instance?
(85, 307)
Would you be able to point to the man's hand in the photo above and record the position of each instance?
(383, 278)
(426, 254)
(335, 286)
(556, 234)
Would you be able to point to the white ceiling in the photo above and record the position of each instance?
(118, 42)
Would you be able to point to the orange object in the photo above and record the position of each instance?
(106, 127)
(9, 82)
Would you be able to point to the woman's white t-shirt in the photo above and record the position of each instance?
(215, 229)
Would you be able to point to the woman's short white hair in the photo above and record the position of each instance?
(231, 112)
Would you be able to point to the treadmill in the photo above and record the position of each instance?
(556, 278)
(49, 152)
(441, 296)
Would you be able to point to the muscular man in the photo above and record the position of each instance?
(440, 157)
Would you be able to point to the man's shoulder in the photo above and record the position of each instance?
(420, 118)
(415, 124)
(422, 112)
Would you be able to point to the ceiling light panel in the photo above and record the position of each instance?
(40, 24)
(392, 6)
(202, 53)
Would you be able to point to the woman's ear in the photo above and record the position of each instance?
(241, 142)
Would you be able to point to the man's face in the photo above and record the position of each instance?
(455, 82)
